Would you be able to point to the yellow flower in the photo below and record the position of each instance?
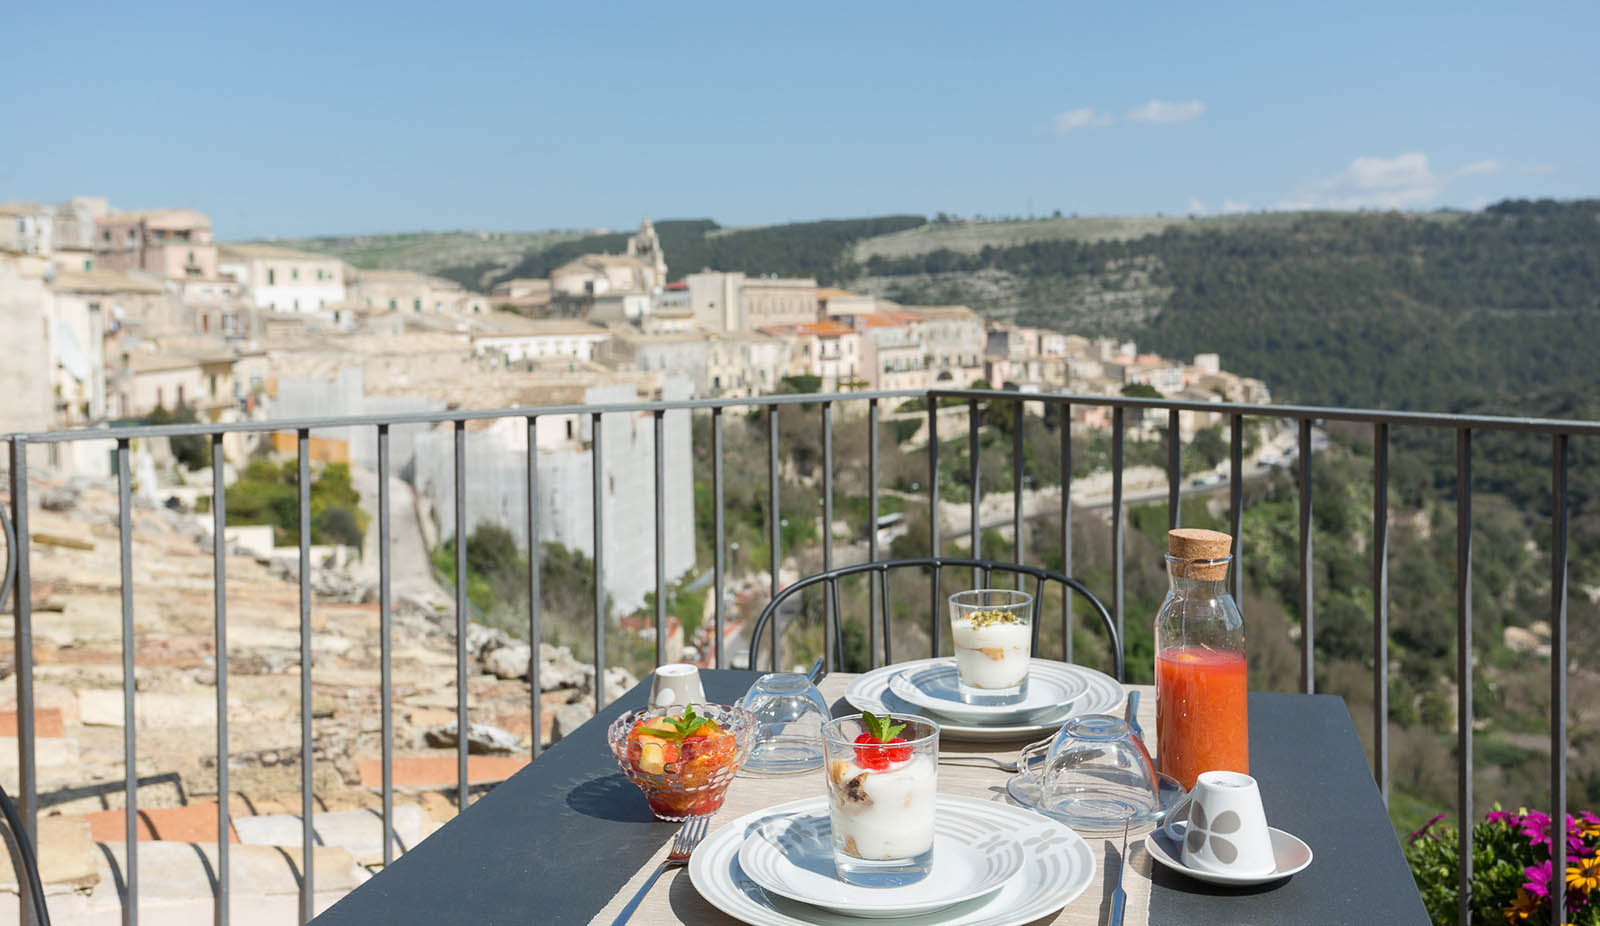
(1522, 907)
(1584, 876)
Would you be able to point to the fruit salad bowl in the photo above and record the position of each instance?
(684, 757)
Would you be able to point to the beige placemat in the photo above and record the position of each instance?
(673, 898)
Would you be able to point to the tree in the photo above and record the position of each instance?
(190, 450)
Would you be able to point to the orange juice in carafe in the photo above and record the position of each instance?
(1202, 715)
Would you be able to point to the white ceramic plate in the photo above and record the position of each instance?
(1051, 691)
(870, 692)
(791, 854)
(1290, 852)
(1058, 866)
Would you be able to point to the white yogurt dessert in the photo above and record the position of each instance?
(883, 814)
(992, 650)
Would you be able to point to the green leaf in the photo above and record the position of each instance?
(883, 729)
(685, 726)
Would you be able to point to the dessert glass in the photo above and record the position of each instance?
(683, 778)
(992, 631)
(881, 801)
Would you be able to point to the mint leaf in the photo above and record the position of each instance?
(685, 726)
(883, 729)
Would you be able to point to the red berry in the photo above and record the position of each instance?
(874, 754)
(900, 754)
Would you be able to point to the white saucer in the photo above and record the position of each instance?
(1290, 852)
(870, 692)
(791, 855)
(936, 687)
(1058, 867)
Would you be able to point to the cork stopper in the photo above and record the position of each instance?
(1187, 544)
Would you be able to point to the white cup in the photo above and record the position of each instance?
(1225, 827)
(676, 683)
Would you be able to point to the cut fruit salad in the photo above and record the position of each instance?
(683, 762)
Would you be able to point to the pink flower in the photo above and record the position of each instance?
(1503, 816)
(1536, 827)
(1423, 831)
(1538, 883)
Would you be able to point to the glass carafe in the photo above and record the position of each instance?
(1202, 715)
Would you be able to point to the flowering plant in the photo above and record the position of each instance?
(1511, 868)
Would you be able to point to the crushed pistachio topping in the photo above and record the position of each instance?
(991, 618)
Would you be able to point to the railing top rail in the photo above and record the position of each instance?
(1365, 416)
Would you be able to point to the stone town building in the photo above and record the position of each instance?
(378, 291)
(514, 338)
(830, 351)
(892, 351)
(740, 364)
(172, 243)
(282, 279)
(768, 301)
(953, 341)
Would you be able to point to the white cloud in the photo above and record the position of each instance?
(1234, 207)
(1084, 117)
(1480, 168)
(1164, 111)
(1196, 207)
(1401, 182)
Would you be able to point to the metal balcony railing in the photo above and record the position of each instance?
(16, 576)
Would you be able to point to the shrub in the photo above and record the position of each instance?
(1510, 868)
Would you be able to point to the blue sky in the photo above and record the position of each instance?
(291, 118)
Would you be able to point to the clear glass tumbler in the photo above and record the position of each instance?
(789, 713)
(881, 801)
(992, 631)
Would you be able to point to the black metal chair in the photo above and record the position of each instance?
(30, 864)
(880, 570)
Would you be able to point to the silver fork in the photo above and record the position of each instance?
(689, 836)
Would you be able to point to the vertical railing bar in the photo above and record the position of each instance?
(598, 508)
(1558, 672)
(535, 593)
(1017, 545)
(832, 614)
(130, 756)
(933, 522)
(883, 606)
(1308, 678)
(386, 643)
(307, 756)
(1065, 421)
(974, 479)
(1464, 669)
(659, 423)
(1236, 503)
(719, 528)
(1174, 470)
(988, 576)
(1380, 607)
(775, 535)
(838, 639)
(1117, 538)
(219, 579)
(872, 531)
(22, 649)
(462, 730)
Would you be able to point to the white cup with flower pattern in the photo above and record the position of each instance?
(1224, 828)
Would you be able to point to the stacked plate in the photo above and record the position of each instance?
(1056, 691)
(993, 864)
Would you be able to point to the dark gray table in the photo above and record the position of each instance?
(555, 842)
